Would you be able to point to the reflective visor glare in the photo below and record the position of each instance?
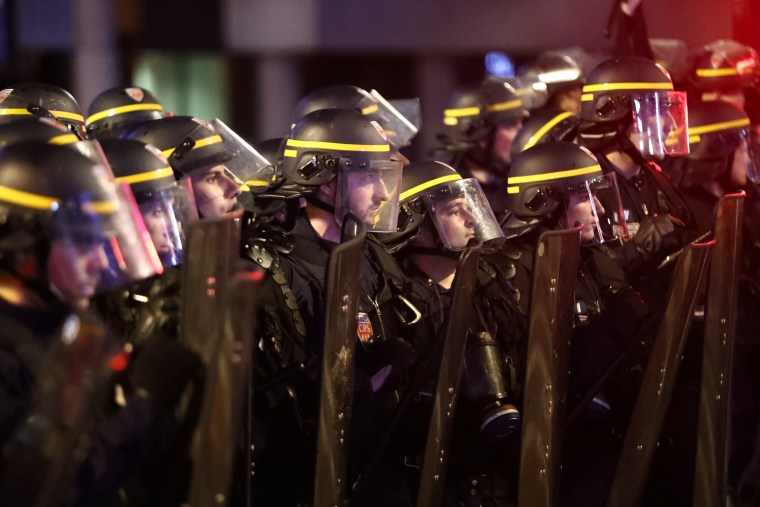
(462, 215)
(167, 214)
(597, 208)
(369, 190)
(660, 125)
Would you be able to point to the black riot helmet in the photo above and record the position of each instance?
(36, 128)
(117, 108)
(434, 191)
(166, 205)
(547, 125)
(552, 72)
(474, 110)
(720, 135)
(724, 65)
(42, 99)
(399, 119)
(548, 175)
(58, 201)
(338, 143)
(633, 96)
(347, 97)
(188, 143)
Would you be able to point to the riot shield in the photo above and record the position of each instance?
(555, 272)
(343, 291)
(46, 450)
(213, 252)
(657, 386)
(447, 387)
(228, 377)
(720, 325)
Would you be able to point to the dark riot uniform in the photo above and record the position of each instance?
(290, 334)
(480, 470)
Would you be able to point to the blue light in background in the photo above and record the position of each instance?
(499, 64)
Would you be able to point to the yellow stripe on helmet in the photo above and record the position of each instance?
(513, 190)
(27, 199)
(129, 108)
(370, 109)
(532, 178)
(63, 139)
(604, 87)
(504, 106)
(717, 127)
(544, 129)
(67, 115)
(375, 148)
(164, 172)
(717, 72)
(14, 111)
(460, 112)
(200, 143)
(428, 184)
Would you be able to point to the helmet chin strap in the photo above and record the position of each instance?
(311, 199)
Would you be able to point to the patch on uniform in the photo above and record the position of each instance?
(379, 129)
(4, 93)
(363, 327)
(135, 94)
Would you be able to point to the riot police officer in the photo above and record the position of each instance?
(656, 215)
(559, 77)
(67, 235)
(339, 162)
(480, 123)
(220, 167)
(560, 185)
(441, 214)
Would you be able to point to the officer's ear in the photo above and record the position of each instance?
(328, 190)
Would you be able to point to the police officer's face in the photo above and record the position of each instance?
(367, 193)
(457, 222)
(156, 216)
(580, 210)
(503, 137)
(74, 268)
(215, 192)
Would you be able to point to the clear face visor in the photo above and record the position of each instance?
(401, 119)
(247, 167)
(462, 215)
(369, 190)
(166, 214)
(660, 124)
(103, 242)
(595, 206)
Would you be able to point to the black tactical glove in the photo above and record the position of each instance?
(161, 312)
(658, 236)
(163, 367)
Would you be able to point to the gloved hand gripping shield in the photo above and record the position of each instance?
(660, 124)
(370, 190)
(461, 214)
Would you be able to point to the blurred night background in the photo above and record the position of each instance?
(249, 61)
